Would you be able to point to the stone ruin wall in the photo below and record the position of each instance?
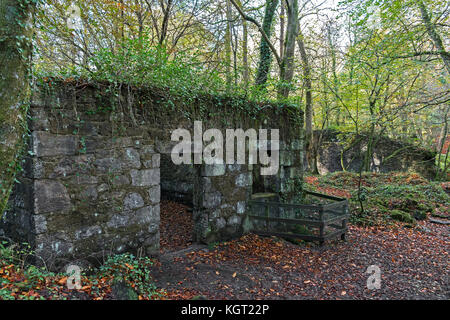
(388, 155)
(92, 180)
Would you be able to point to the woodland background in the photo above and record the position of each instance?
(369, 68)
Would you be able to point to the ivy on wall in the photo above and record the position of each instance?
(15, 56)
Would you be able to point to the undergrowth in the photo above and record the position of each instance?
(21, 280)
(388, 198)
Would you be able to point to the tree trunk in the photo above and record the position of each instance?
(287, 65)
(265, 56)
(437, 40)
(245, 52)
(228, 47)
(282, 26)
(332, 46)
(308, 102)
(245, 75)
(165, 23)
(15, 53)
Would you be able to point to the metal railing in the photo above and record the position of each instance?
(318, 220)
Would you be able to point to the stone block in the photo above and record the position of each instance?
(212, 199)
(234, 167)
(133, 201)
(240, 207)
(39, 223)
(50, 196)
(206, 185)
(109, 164)
(244, 180)
(156, 160)
(118, 221)
(49, 145)
(147, 215)
(220, 223)
(88, 232)
(154, 194)
(40, 120)
(102, 188)
(145, 178)
(234, 220)
(84, 179)
(131, 159)
(89, 193)
(120, 180)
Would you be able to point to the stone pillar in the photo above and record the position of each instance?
(220, 201)
(287, 182)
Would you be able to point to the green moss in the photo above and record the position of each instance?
(425, 208)
(402, 216)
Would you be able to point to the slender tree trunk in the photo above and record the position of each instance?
(165, 23)
(332, 47)
(245, 52)
(370, 139)
(228, 40)
(287, 64)
(140, 19)
(245, 75)
(282, 25)
(431, 29)
(308, 102)
(264, 35)
(122, 27)
(15, 53)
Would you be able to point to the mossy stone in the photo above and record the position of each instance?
(402, 216)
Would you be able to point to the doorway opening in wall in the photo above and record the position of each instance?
(263, 187)
(176, 207)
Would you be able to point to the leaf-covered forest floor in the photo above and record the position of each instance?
(412, 254)
(410, 250)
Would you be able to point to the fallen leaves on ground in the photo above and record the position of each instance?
(414, 265)
(413, 262)
(176, 226)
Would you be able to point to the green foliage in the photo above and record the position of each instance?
(123, 267)
(131, 269)
(15, 253)
(138, 64)
(402, 216)
(404, 197)
(146, 65)
(17, 256)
